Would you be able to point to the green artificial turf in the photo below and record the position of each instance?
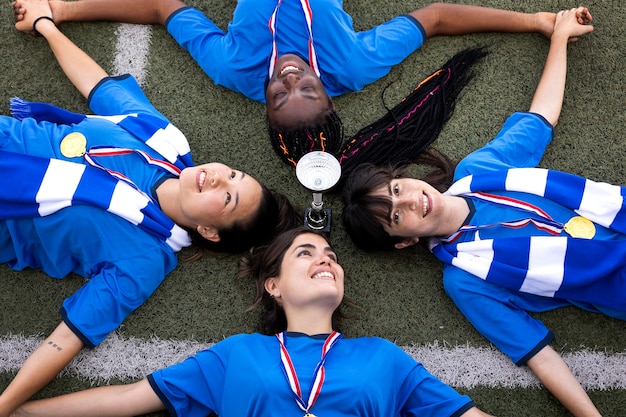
(401, 294)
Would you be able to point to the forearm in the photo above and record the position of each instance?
(548, 98)
(79, 67)
(135, 11)
(108, 401)
(41, 367)
(459, 19)
(556, 376)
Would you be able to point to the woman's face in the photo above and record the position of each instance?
(417, 208)
(294, 94)
(215, 195)
(309, 275)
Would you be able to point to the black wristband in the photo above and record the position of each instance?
(37, 20)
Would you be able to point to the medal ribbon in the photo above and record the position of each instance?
(105, 151)
(318, 375)
(544, 223)
(308, 15)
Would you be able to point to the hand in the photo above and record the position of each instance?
(573, 23)
(583, 16)
(27, 11)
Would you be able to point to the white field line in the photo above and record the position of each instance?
(131, 51)
(460, 366)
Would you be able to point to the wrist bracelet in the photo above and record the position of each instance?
(37, 20)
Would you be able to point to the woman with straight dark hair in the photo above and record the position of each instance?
(302, 366)
(514, 238)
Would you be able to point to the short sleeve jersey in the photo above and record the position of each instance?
(503, 316)
(239, 58)
(123, 264)
(242, 376)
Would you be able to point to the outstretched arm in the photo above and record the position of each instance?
(461, 19)
(548, 98)
(80, 68)
(556, 376)
(41, 367)
(116, 400)
(137, 11)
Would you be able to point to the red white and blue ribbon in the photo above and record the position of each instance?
(105, 151)
(289, 371)
(48, 184)
(543, 222)
(584, 270)
(308, 15)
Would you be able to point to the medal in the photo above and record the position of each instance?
(581, 227)
(309, 415)
(73, 145)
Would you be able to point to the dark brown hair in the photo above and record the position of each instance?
(365, 215)
(274, 215)
(265, 262)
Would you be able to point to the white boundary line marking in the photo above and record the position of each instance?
(132, 50)
(460, 366)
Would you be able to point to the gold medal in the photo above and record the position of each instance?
(580, 226)
(73, 145)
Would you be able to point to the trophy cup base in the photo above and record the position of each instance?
(317, 220)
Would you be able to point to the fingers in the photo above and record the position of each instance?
(583, 16)
(573, 22)
(26, 11)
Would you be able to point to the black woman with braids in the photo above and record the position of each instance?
(267, 42)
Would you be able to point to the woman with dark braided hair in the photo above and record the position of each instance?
(294, 55)
(514, 239)
(407, 130)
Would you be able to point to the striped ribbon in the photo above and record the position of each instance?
(308, 15)
(318, 375)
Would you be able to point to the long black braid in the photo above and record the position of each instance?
(396, 138)
(405, 131)
(324, 133)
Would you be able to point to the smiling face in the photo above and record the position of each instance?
(309, 275)
(215, 195)
(294, 94)
(417, 209)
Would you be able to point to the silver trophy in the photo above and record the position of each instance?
(318, 171)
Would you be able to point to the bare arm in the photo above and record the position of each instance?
(136, 11)
(41, 367)
(548, 98)
(79, 67)
(116, 400)
(460, 19)
(556, 376)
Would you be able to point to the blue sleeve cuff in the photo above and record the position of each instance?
(102, 81)
(168, 405)
(463, 409)
(170, 17)
(418, 24)
(543, 343)
(88, 343)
